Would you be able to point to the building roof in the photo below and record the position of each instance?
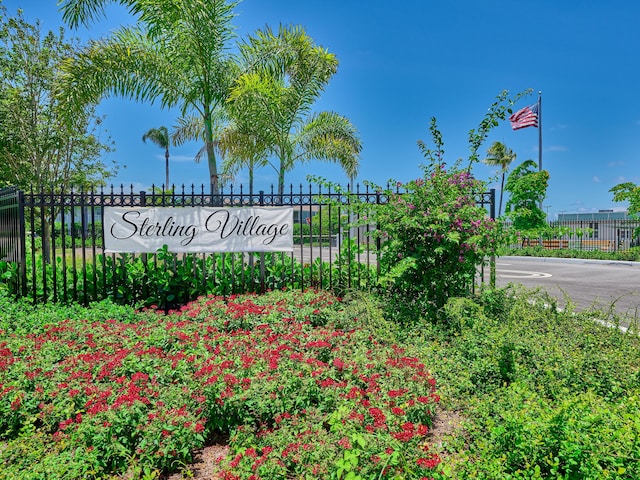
(593, 216)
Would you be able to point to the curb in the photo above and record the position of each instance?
(572, 260)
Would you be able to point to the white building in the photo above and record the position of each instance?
(605, 229)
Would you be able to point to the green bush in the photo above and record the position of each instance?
(303, 388)
(170, 280)
(630, 255)
(520, 434)
(546, 393)
(437, 237)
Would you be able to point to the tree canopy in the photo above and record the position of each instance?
(176, 54)
(628, 192)
(527, 188)
(160, 136)
(40, 145)
(498, 154)
(284, 73)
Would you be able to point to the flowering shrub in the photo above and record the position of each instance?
(300, 385)
(433, 233)
(437, 237)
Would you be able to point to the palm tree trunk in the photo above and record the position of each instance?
(251, 184)
(501, 193)
(281, 172)
(166, 158)
(211, 154)
(281, 182)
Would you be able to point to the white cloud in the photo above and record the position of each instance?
(175, 158)
(557, 148)
(182, 158)
(133, 187)
(596, 179)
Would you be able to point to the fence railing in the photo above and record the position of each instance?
(607, 235)
(12, 233)
(60, 257)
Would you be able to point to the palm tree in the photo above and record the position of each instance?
(500, 156)
(160, 136)
(237, 150)
(270, 103)
(242, 150)
(176, 54)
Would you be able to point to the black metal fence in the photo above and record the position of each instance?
(587, 234)
(12, 234)
(54, 243)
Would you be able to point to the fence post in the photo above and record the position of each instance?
(23, 243)
(262, 256)
(492, 209)
(492, 260)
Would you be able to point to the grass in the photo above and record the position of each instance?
(310, 386)
(630, 255)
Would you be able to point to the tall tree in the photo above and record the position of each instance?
(237, 149)
(160, 136)
(270, 103)
(498, 155)
(41, 146)
(242, 150)
(527, 187)
(191, 128)
(176, 54)
(628, 192)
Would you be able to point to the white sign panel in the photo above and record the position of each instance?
(198, 229)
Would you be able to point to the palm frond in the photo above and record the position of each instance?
(190, 128)
(126, 65)
(159, 136)
(499, 155)
(84, 12)
(329, 136)
(290, 60)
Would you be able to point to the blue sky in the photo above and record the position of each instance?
(402, 64)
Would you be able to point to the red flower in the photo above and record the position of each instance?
(359, 417)
(428, 462)
(345, 443)
(403, 436)
(15, 405)
(397, 393)
(408, 427)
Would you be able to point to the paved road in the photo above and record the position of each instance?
(586, 282)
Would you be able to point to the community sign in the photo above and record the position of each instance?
(198, 229)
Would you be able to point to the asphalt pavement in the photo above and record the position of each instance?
(586, 284)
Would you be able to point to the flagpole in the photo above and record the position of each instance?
(540, 130)
(540, 135)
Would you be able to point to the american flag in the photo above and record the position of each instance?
(527, 117)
